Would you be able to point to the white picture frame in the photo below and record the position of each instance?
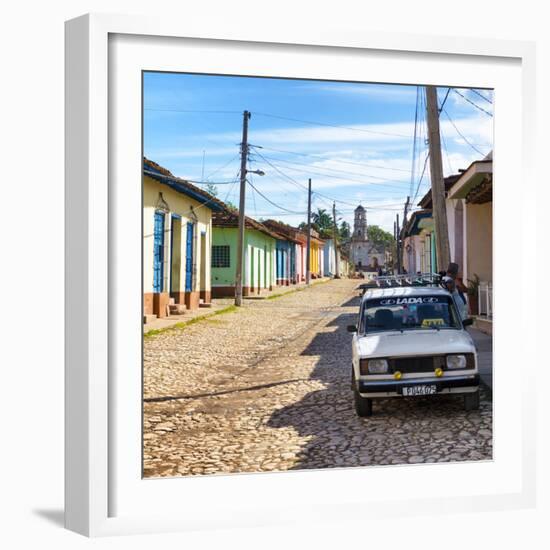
(103, 494)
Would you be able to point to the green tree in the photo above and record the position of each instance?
(322, 221)
(212, 189)
(378, 236)
(344, 231)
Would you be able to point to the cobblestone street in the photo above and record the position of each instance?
(267, 387)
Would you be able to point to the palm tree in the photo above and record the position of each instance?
(322, 220)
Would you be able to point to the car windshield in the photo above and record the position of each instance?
(409, 313)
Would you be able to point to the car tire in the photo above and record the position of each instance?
(471, 401)
(363, 405)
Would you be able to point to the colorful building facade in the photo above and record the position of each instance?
(259, 261)
(177, 233)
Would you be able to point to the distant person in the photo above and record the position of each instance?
(374, 266)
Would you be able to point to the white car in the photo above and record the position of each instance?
(411, 341)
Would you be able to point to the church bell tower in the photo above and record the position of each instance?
(360, 224)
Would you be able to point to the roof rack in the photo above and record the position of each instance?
(418, 279)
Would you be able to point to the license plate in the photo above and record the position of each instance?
(420, 390)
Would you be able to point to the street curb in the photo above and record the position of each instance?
(184, 324)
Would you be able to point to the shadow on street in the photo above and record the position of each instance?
(400, 427)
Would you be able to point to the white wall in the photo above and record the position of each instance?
(33, 90)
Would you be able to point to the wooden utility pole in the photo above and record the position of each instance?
(405, 214)
(308, 248)
(240, 239)
(438, 185)
(398, 244)
(334, 238)
(394, 259)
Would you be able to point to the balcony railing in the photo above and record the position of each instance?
(485, 297)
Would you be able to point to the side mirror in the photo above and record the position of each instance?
(467, 322)
(352, 328)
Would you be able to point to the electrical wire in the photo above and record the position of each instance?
(222, 167)
(462, 135)
(292, 180)
(444, 100)
(351, 128)
(421, 177)
(481, 95)
(373, 184)
(414, 141)
(472, 103)
(271, 202)
(336, 170)
(368, 165)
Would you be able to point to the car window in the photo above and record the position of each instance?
(409, 313)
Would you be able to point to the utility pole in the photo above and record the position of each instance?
(334, 238)
(394, 259)
(405, 214)
(240, 240)
(438, 185)
(398, 244)
(308, 249)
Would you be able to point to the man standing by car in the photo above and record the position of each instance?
(451, 284)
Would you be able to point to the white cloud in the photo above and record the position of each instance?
(385, 93)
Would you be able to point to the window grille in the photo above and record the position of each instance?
(220, 256)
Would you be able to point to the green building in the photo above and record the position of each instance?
(259, 262)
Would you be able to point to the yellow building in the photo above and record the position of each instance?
(177, 235)
(316, 257)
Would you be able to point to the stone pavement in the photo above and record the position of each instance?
(217, 304)
(267, 388)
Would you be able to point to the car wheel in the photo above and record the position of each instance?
(363, 405)
(471, 401)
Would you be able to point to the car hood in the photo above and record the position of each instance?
(415, 342)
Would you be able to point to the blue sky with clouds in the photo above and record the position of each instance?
(355, 140)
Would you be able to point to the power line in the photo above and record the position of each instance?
(481, 95)
(222, 167)
(270, 201)
(332, 159)
(336, 170)
(292, 180)
(299, 185)
(208, 182)
(342, 178)
(332, 125)
(253, 198)
(472, 103)
(414, 140)
(445, 99)
(421, 177)
(462, 135)
(446, 153)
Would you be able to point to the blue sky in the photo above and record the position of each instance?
(355, 140)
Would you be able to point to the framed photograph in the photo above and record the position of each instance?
(287, 279)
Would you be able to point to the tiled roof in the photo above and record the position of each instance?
(286, 231)
(162, 175)
(230, 218)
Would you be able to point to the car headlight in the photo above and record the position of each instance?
(456, 362)
(377, 366)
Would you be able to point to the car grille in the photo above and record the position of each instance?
(416, 364)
